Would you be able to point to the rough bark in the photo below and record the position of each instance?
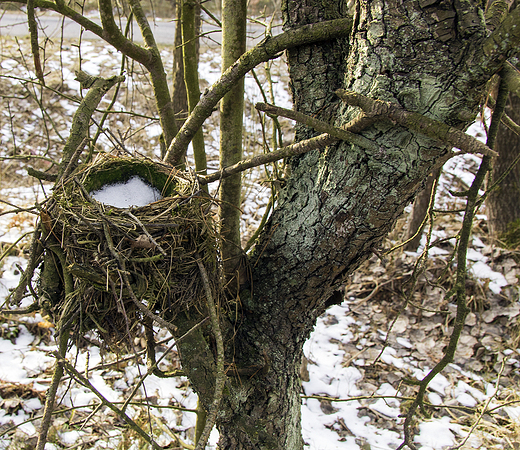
(504, 204)
(340, 203)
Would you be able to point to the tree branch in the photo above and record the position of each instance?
(496, 12)
(321, 141)
(511, 76)
(156, 68)
(416, 122)
(318, 125)
(144, 26)
(220, 376)
(506, 37)
(268, 49)
(35, 48)
(113, 37)
(190, 58)
(314, 143)
(86, 383)
(459, 290)
(234, 13)
(98, 87)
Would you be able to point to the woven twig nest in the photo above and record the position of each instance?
(156, 246)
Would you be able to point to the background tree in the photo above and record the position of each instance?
(503, 204)
(234, 15)
(179, 97)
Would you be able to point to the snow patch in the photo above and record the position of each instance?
(135, 192)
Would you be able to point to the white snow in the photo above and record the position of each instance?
(436, 434)
(134, 192)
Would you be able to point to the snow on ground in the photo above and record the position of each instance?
(353, 355)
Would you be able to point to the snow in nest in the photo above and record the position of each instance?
(134, 192)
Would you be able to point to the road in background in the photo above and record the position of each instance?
(51, 24)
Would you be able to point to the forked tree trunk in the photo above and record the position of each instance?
(339, 203)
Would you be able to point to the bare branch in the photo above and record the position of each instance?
(220, 374)
(506, 37)
(86, 383)
(459, 290)
(98, 87)
(314, 143)
(496, 12)
(268, 49)
(159, 79)
(33, 30)
(318, 125)
(416, 122)
(511, 76)
(113, 37)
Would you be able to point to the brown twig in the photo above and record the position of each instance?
(314, 143)
(318, 125)
(86, 383)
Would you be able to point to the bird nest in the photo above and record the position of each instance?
(124, 261)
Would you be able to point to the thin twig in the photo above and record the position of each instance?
(86, 383)
(484, 409)
(321, 141)
(318, 125)
(155, 364)
(64, 328)
(128, 213)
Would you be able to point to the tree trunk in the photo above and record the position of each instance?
(179, 96)
(234, 14)
(190, 16)
(339, 203)
(504, 204)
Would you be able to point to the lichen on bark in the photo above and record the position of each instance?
(340, 203)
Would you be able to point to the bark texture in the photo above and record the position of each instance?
(339, 203)
(504, 203)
